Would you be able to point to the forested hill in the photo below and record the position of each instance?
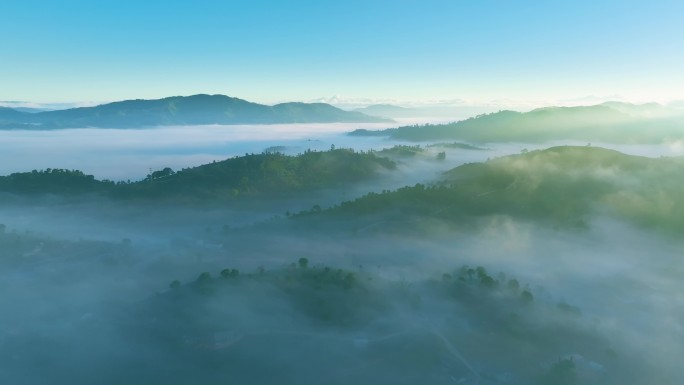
(608, 122)
(561, 186)
(179, 110)
(255, 175)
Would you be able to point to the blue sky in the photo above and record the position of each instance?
(271, 51)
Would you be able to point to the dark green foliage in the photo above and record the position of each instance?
(256, 175)
(457, 145)
(401, 151)
(476, 288)
(160, 174)
(349, 280)
(261, 174)
(337, 305)
(526, 296)
(230, 273)
(561, 373)
(334, 297)
(561, 186)
(204, 277)
(53, 181)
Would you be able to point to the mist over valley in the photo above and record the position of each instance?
(212, 253)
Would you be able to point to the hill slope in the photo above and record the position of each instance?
(562, 186)
(266, 175)
(616, 123)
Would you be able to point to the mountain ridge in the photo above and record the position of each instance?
(616, 122)
(200, 109)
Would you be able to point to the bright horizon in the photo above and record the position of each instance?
(492, 52)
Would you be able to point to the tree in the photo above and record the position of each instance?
(526, 296)
(514, 285)
(167, 171)
(349, 280)
(487, 281)
(204, 277)
(303, 263)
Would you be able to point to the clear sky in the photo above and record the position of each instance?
(271, 51)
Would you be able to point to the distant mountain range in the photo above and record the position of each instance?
(611, 122)
(437, 111)
(181, 110)
(388, 111)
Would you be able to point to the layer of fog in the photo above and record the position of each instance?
(131, 154)
(121, 154)
(60, 311)
(112, 220)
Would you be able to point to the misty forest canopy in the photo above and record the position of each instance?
(270, 174)
(398, 320)
(562, 186)
(610, 122)
(373, 328)
(180, 111)
(195, 276)
(235, 304)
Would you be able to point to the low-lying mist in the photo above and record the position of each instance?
(130, 154)
(263, 290)
(121, 154)
(354, 307)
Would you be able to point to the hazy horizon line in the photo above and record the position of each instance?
(344, 102)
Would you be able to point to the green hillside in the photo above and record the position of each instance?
(615, 123)
(256, 175)
(561, 186)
